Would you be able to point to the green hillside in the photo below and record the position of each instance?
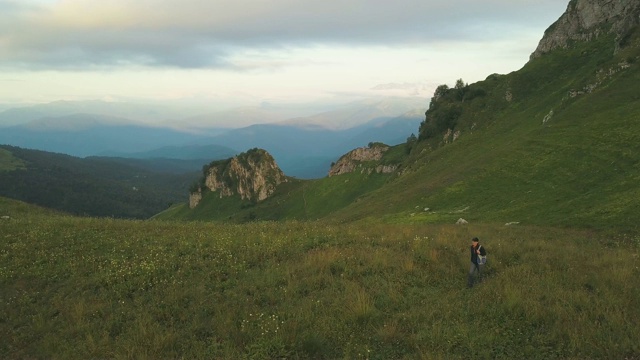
(554, 143)
(294, 200)
(22, 210)
(581, 167)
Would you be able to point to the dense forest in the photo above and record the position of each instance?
(91, 186)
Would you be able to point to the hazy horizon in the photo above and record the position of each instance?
(331, 115)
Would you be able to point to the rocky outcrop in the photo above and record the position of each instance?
(585, 20)
(386, 169)
(450, 136)
(253, 175)
(356, 159)
(194, 198)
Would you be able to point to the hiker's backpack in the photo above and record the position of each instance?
(482, 259)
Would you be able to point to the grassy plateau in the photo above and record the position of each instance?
(99, 288)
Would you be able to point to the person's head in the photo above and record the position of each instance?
(474, 241)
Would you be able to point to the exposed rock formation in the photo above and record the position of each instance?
(601, 76)
(547, 117)
(585, 20)
(355, 159)
(194, 198)
(450, 136)
(253, 175)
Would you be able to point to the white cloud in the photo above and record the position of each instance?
(231, 51)
(198, 33)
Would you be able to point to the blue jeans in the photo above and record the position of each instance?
(472, 269)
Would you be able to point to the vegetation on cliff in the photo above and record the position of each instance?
(253, 175)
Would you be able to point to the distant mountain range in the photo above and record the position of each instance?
(87, 134)
(303, 147)
(134, 113)
(186, 152)
(291, 145)
(362, 112)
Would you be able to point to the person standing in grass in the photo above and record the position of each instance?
(476, 251)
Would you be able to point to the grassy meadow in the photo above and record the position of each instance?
(102, 288)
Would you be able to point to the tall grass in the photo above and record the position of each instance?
(100, 288)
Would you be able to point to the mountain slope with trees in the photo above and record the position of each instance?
(89, 187)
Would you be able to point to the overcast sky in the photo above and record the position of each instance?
(248, 52)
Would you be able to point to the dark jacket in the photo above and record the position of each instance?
(474, 256)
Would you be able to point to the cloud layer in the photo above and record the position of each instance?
(91, 34)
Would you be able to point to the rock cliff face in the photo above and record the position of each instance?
(354, 160)
(194, 198)
(253, 175)
(587, 19)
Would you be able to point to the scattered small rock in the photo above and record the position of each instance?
(512, 223)
(548, 117)
(508, 96)
(462, 221)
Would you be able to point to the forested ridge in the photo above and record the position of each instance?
(90, 186)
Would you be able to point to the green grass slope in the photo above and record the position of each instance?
(554, 143)
(19, 209)
(580, 168)
(104, 288)
(294, 200)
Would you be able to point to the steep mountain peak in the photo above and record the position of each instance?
(254, 175)
(585, 20)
